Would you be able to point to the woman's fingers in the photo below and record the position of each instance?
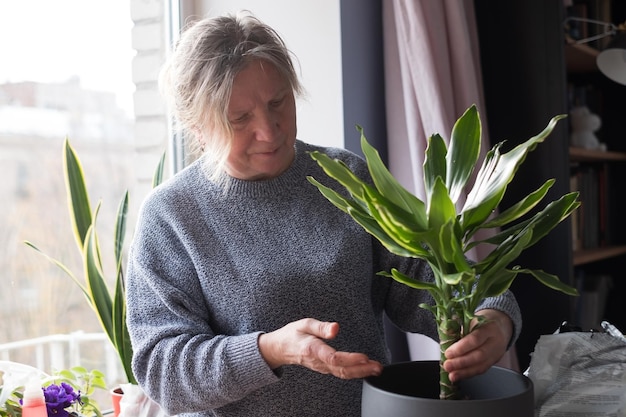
(303, 343)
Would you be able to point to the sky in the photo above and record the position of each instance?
(54, 40)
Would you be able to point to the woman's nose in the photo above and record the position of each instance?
(267, 126)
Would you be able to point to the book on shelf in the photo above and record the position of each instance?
(591, 225)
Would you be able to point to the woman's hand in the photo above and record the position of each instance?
(483, 347)
(302, 343)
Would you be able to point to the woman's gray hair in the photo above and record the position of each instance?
(196, 80)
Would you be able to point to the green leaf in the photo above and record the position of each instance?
(63, 268)
(78, 198)
(401, 222)
(434, 163)
(463, 151)
(451, 250)
(502, 256)
(120, 232)
(441, 209)
(521, 208)
(98, 290)
(373, 227)
(554, 213)
(334, 197)
(157, 177)
(499, 282)
(550, 280)
(495, 174)
(389, 187)
(340, 172)
(432, 288)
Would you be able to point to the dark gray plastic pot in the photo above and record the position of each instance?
(411, 389)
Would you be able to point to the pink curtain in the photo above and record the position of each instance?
(432, 75)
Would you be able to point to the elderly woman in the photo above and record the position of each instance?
(249, 294)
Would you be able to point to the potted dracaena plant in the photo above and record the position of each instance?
(109, 303)
(433, 229)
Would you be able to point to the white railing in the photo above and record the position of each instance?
(63, 351)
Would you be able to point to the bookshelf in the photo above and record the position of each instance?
(598, 230)
(585, 161)
(529, 76)
(588, 155)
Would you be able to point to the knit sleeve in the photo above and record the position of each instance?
(168, 321)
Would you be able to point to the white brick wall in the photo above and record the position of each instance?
(151, 126)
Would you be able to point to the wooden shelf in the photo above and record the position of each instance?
(586, 155)
(586, 256)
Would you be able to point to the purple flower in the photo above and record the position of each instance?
(60, 397)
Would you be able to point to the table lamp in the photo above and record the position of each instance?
(611, 61)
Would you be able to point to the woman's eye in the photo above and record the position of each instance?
(239, 119)
(276, 103)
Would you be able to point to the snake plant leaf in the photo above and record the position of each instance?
(463, 151)
(120, 232)
(120, 331)
(78, 198)
(98, 291)
(60, 265)
(110, 310)
(121, 338)
(157, 177)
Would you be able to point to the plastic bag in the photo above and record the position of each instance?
(579, 374)
(135, 403)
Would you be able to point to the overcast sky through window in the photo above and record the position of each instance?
(54, 40)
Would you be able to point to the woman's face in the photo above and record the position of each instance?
(262, 113)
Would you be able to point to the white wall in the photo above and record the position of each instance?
(311, 30)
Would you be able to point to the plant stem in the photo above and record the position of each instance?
(449, 329)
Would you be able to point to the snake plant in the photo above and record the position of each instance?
(108, 304)
(433, 230)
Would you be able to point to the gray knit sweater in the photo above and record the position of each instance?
(213, 266)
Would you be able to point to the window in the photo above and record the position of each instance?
(66, 72)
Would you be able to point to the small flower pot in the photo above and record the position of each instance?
(116, 397)
(411, 389)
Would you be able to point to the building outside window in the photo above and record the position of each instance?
(66, 72)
